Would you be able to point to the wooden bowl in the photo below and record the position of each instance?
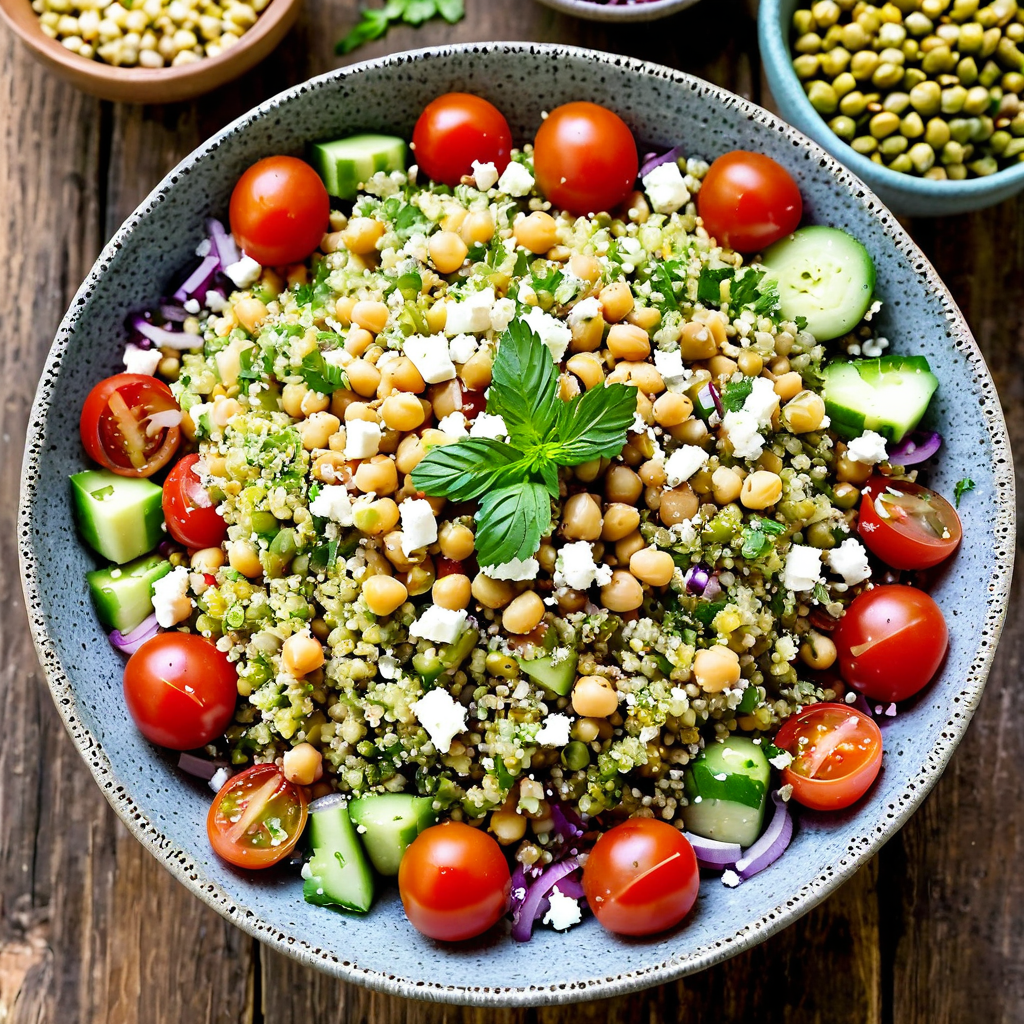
(152, 85)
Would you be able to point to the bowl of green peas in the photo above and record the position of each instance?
(923, 99)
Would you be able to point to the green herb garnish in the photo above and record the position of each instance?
(757, 537)
(375, 22)
(320, 375)
(735, 393)
(962, 487)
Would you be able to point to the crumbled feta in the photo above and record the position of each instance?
(762, 401)
(141, 360)
(869, 448)
(439, 713)
(191, 306)
(781, 760)
(362, 439)
(170, 598)
(502, 314)
(730, 878)
(462, 347)
(665, 188)
(516, 570)
(488, 425)
(485, 175)
(419, 527)
(215, 302)
(203, 248)
(648, 733)
(587, 309)
(741, 429)
(850, 561)
(430, 356)
(515, 180)
(244, 273)
(551, 331)
(454, 425)
(333, 502)
(563, 911)
(472, 315)
(554, 731)
(803, 568)
(669, 364)
(219, 779)
(388, 665)
(575, 567)
(441, 625)
(683, 463)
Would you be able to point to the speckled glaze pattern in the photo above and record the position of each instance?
(619, 12)
(166, 812)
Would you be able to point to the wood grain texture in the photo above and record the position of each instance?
(93, 931)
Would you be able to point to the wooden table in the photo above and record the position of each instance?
(94, 931)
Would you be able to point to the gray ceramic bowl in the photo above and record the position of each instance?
(622, 11)
(167, 813)
(905, 194)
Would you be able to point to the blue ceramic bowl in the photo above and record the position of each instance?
(904, 194)
(167, 812)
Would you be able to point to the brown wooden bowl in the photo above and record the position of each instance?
(152, 85)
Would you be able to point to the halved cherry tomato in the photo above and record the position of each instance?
(257, 817)
(279, 210)
(641, 877)
(837, 752)
(907, 525)
(748, 201)
(191, 515)
(891, 641)
(117, 427)
(585, 158)
(456, 129)
(180, 690)
(454, 882)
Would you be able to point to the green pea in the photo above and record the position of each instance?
(936, 133)
(926, 98)
(844, 83)
(575, 756)
(803, 22)
(956, 172)
(933, 8)
(937, 173)
(823, 97)
(897, 102)
(953, 99)
(819, 535)
(902, 164)
(1009, 56)
(300, 564)
(853, 104)
(1013, 81)
(952, 153)
(863, 64)
(964, 9)
(806, 65)
(912, 126)
(961, 129)
(990, 42)
(892, 55)
(938, 60)
(912, 77)
(891, 34)
(922, 156)
(983, 129)
(985, 166)
(1015, 31)
(844, 127)
(989, 74)
(918, 24)
(905, 6)
(835, 62)
(911, 49)
(886, 76)
(999, 141)
(832, 38)
(987, 17)
(883, 123)
(972, 36)
(949, 34)
(809, 43)
(869, 21)
(894, 145)
(1014, 149)
(1004, 10)
(1017, 125)
(865, 145)
(967, 71)
(854, 37)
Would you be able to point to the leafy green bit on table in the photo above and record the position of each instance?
(962, 487)
(375, 22)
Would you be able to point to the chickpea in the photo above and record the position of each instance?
(692, 431)
(845, 495)
(818, 651)
(761, 489)
(207, 560)
(619, 521)
(750, 363)
(400, 375)
(849, 471)
(770, 461)
(456, 541)
(243, 558)
(303, 764)
(537, 232)
(779, 366)
(317, 430)
(653, 567)
(437, 316)
(581, 518)
(586, 268)
(409, 455)
(589, 729)
(644, 317)
(454, 220)
(452, 591)
(616, 301)
(787, 385)
(570, 600)
(678, 505)
(447, 251)
(588, 368)
(396, 556)
(376, 563)
(476, 372)
(594, 697)
(588, 472)
(331, 466)
(726, 485)
(722, 366)
(360, 411)
(671, 409)
(302, 654)
(697, 341)
(362, 235)
(587, 335)
(653, 474)
(508, 826)
(716, 669)
(524, 613)
(623, 593)
(490, 593)
(804, 412)
(378, 517)
(250, 313)
(371, 316)
(477, 228)
(403, 411)
(314, 402)
(628, 546)
(291, 399)
(628, 342)
(445, 398)
(621, 484)
(643, 375)
(363, 378)
(384, 594)
(343, 307)
(716, 324)
(377, 474)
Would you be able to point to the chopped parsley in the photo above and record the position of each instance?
(962, 487)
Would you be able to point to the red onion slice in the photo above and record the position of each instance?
(654, 160)
(713, 854)
(131, 642)
(194, 286)
(197, 766)
(772, 845)
(162, 337)
(223, 244)
(916, 447)
(522, 920)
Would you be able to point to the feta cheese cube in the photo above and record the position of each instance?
(141, 360)
(462, 347)
(575, 567)
(741, 429)
(362, 439)
(440, 625)
(517, 569)
(454, 425)
(219, 779)
(170, 598)
(488, 425)
(683, 463)
(430, 356)
(502, 314)
(563, 911)
(419, 527)
(333, 502)
(215, 302)
(730, 878)
(868, 449)
(850, 561)
(515, 180)
(485, 175)
(244, 273)
(665, 188)
(552, 332)
(803, 568)
(762, 401)
(587, 309)
(669, 364)
(442, 716)
(554, 731)
(472, 315)
(192, 306)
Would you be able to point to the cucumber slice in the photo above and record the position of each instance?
(346, 164)
(338, 874)
(888, 395)
(825, 276)
(388, 823)
(121, 517)
(728, 788)
(124, 595)
(555, 677)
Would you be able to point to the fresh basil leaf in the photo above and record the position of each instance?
(451, 10)
(734, 394)
(593, 425)
(549, 474)
(372, 25)
(511, 522)
(524, 385)
(418, 11)
(468, 468)
(709, 284)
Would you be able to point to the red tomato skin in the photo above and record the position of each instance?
(628, 884)
(585, 158)
(748, 201)
(94, 408)
(154, 681)
(454, 882)
(279, 211)
(456, 129)
(189, 524)
(896, 547)
(906, 636)
(830, 794)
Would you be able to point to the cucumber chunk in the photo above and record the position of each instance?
(727, 787)
(124, 595)
(338, 874)
(888, 395)
(346, 164)
(555, 677)
(825, 276)
(388, 823)
(121, 517)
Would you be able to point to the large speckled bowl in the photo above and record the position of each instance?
(167, 812)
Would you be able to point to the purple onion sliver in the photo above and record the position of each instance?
(717, 399)
(223, 244)
(916, 447)
(129, 643)
(570, 887)
(772, 845)
(713, 590)
(164, 338)
(523, 918)
(713, 854)
(197, 766)
(173, 312)
(196, 283)
(697, 579)
(652, 160)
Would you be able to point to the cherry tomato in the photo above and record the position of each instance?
(584, 158)
(456, 129)
(117, 429)
(906, 525)
(837, 752)
(279, 210)
(748, 201)
(454, 881)
(891, 641)
(473, 403)
(180, 690)
(641, 877)
(257, 817)
(192, 517)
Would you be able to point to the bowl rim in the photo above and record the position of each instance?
(874, 833)
(778, 61)
(590, 11)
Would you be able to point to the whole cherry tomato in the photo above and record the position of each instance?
(454, 131)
